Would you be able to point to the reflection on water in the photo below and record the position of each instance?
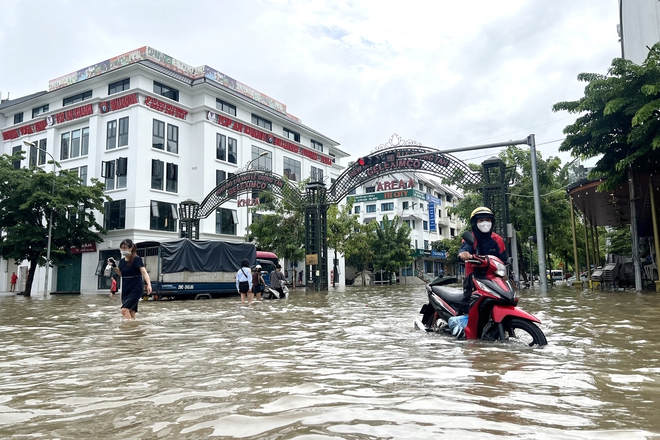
(344, 364)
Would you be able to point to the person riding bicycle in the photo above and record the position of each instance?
(486, 242)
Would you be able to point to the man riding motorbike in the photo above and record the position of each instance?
(486, 242)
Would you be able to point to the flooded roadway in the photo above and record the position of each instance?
(343, 364)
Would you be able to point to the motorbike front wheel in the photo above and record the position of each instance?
(526, 332)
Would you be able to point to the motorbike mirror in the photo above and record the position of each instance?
(468, 237)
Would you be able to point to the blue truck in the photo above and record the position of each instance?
(186, 269)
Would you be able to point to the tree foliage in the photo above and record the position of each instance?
(391, 245)
(619, 119)
(282, 229)
(28, 197)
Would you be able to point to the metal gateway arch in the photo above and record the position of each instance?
(318, 197)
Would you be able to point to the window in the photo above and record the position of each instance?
(425, 225)
(226, 148)
(421, 186)
(123, 132)
(172, 178)
(114, 139)
(41, 160)
(291, 135)
(166, 91)
(387, 206)
(232, 153)
(172, 138)
(226, 221)
(426, 244)
(119, 86)
(18, 118)
(261, 122)
(292, 169)
(260, 162)
(163, 216)
(439, 230)
(448, 197)
(64, 146)
(157, 172)
(352, 192)
(77, 98)
(371, 208)
(370, 189)
(111, 136)
(115, 171)
(221, 176)
(221, 146)
(357, 209)
(407, 222)
(316, 175)
(84, 142)
(158, 136)
(114, 215)
(32, 157)
(17, 163)
(225, 107)
(452, 232)
(39, 110)
(82, 174)
(406, 205)
(317, 145)
(421, 206)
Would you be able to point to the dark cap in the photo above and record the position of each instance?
(279, 266)
(245, 263)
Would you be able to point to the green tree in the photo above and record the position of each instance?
(28, 197)
(359, 249)
(341, 224)
(619, 119)
(391, 246)
(282, 229)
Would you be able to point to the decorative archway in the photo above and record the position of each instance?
(394, 160)
(190, 212)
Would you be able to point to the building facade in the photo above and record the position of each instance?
(419, 202)
(157, 132)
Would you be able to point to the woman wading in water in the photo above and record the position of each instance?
(132, 272)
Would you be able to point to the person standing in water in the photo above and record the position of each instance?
(133, 275)
(244, 281)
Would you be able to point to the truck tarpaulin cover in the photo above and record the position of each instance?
(205, 256)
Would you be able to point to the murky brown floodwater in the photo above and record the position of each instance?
(344, 364)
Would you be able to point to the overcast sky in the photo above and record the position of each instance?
(444, 73)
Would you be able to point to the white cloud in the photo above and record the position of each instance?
(447, 74)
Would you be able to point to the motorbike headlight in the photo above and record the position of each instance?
(485, 288)
(500, 269)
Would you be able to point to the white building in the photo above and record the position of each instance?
(158, 132)
(639, 28)
(422, 204)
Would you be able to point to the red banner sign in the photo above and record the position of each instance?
(267, 137)
(118, 103)
(164, 107)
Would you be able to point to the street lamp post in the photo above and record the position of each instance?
(50, 217)
(531, 265)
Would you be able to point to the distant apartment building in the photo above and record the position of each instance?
(419, 202)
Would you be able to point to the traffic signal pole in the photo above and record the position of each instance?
(531, 142)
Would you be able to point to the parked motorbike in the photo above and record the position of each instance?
(493, 313)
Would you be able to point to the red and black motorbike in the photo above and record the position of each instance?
(493, 313)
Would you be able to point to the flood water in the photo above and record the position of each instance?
(343, 364)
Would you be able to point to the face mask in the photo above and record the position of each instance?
(125, 253)
(484, 226)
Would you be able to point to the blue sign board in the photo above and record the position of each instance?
(431, 216)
